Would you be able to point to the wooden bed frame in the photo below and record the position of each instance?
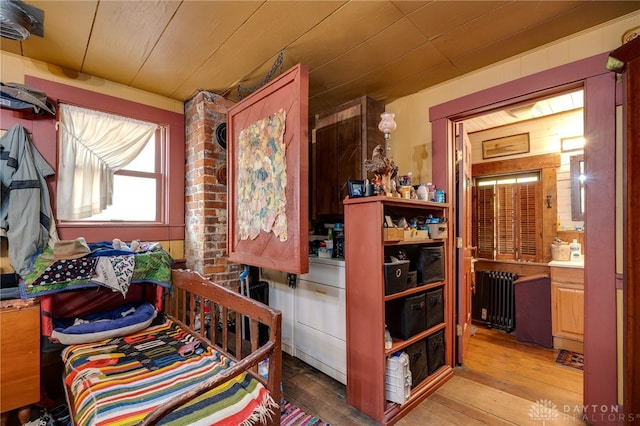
(190, 292)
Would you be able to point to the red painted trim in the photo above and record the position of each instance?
(600, 374)
(44, 135)
(510, 92)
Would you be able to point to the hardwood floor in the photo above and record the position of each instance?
(502, 382)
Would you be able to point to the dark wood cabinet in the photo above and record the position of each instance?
(344, 138)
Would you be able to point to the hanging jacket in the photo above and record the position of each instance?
(26, 218)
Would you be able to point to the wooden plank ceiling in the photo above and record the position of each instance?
(385, 49)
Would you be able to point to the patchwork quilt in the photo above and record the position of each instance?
(119, 381)
(50, 276)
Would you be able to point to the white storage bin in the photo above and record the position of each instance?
(398, 378)
(437, 230)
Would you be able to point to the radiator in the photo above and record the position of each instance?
(493, 303)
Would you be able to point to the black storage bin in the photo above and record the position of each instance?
(396, 276)
(406, 317)
(435, 351)
(430, 264)
(412, 279)
(435, 307)
(418, 361)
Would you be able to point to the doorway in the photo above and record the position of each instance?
(600, 374)
(522, 203)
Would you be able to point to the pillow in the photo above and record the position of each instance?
(104, 325)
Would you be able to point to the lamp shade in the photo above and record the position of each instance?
(387, 124)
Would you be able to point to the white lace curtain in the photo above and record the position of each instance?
(94, 145)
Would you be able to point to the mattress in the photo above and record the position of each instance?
(121, 380)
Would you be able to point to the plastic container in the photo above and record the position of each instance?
(406, 192)
(422, 192)
(431, 192)
(575, 250)
(398, 378)
(388, 341)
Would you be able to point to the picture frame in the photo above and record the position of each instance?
(356, 188)
(505, 146)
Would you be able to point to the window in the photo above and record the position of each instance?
(576, 170)
(110, 166)
(507, 217)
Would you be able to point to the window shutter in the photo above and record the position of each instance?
(485, 222)
(527, 212)
(505, 226)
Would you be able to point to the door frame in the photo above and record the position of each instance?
(600, 367)
(464, 261)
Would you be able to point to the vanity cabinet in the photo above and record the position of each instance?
(371, 306)
(344, 138)
(567, 308)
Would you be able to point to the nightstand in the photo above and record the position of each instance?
(19, 360)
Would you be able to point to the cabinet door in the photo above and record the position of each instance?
(282, 297)
(338, 158)
(568, 311)
(19, 357)
(321, 328)
(325, 168)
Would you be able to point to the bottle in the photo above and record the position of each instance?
(431, 192)
(388, 342)
(575, 251)
(422, 192)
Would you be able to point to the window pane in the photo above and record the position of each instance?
(146, 160)
(134, 199)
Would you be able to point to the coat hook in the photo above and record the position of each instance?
(548, 201)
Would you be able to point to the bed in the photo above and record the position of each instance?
(198, 360)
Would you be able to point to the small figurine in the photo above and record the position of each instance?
(383, 168)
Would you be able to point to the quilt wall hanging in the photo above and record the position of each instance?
(262, 178)
(268, 175)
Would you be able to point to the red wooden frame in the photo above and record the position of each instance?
(290, 92)
(600, 374)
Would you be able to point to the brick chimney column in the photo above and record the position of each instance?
(206, 190)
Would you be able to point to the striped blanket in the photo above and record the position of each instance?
(119, 381)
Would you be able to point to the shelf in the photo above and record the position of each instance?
(398, 344)
(413, 290)
(412, 242)
(367, 306)
(397, 201)
(418, 393)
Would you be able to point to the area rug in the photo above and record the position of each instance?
(571, 359)
(294, 416)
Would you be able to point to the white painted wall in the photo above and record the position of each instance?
(545, 135)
